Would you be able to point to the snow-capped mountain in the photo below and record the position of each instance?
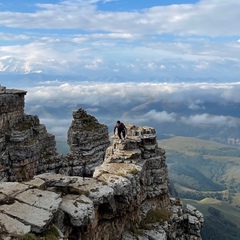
(10, 64)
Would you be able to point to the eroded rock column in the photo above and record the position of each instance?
(88, 141)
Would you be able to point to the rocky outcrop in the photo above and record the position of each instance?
(11, 107)
(127, 198)
(88, 141)
(27, 149)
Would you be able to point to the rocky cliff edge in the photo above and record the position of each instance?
(127, 198)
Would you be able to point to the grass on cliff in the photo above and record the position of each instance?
(135, 231)
(159, 215)
(50, 234)
(22, 126)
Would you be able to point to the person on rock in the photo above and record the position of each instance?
(122, 130)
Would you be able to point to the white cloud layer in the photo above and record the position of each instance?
(159, 117)
(79, 37)
(202, 18)
(207, 119)
(138, 103)
(97, 95)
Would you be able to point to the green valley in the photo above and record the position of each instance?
(222, 220)
(206, 174)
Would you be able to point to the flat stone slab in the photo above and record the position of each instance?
(42, 199)
(96, 190)
(122, 177)
(80, 209)
(29, 215)
(55, 180)
(37, 182)
(13, 226)
(119, 169)
(12, 188)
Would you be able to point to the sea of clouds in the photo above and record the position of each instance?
(129, 98)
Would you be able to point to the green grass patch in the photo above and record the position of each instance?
(22, 126)
(221, 220)
(203, 169)
(208, 149)
(30, 236)
(159, 215)
(50, 234)
(81, 201)
(133, 171)
(135, 231)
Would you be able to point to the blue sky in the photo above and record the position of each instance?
(144, 43)
(139, 39)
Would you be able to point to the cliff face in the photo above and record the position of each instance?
(11, 107)
(126, 198)
(27, 149)
(88, 141)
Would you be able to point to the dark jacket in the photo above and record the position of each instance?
(121, 127)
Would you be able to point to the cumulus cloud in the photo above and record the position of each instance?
(11, 37)
(207, 119)
(232, 93)
(168, 40)
(159, 117)
(100, 93)
(58, 127)
(196, 105)
(142, 103)
(173, 43)
(200, 18)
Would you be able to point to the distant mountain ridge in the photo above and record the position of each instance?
(16, 70)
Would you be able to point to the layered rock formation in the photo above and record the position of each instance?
(11, 107)
(27, 149)
(127, 198)
(88, 141)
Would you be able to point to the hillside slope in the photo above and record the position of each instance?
(222, 221)
(206, 174)
(201, 168)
